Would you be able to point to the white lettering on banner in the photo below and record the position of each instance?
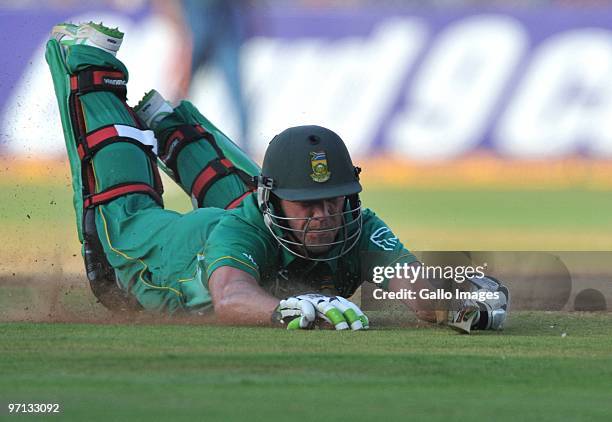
(561, 105)
(564, 100)
(450, 100)
(349, 85)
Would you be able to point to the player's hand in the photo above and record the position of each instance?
(338, 311)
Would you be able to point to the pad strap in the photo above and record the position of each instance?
(96, 79)
(120, 190)
(99, 138)
(214, 171)
(238, 200)
(181, 137)
(94, 141)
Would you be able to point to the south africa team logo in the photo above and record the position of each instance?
(320, 171)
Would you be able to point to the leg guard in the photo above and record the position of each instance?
(99, 130)
(208, 166)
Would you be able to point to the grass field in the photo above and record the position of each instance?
(147, 372)
(58, 345)
(36, 214)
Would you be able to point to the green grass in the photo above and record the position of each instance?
(148, 372)
(472, 209)
(423, 219)
(496, 220)
(486, 209)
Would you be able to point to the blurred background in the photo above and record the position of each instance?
(479, 125)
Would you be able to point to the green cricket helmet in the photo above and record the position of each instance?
(310, 163)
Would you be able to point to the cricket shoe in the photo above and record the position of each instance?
(90, 33)
(152, 109)
(65, 33)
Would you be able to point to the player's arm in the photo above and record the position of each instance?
(385, 249)
(463, 315)
(389, 251)
(233, 263)
(424, 308)
(239, 299)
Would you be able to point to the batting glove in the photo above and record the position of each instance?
(488, 314)
(464, 318)
(338, 311)
(493, 312)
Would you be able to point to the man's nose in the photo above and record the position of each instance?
(321, 209)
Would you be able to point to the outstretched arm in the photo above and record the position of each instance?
(424, 309)
(238, 299)
(486, 310)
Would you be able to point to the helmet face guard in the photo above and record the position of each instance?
(294, 240)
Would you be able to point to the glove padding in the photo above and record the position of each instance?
(488, 314)
(464, 318)
(493, 312)
(336, 310)
(297, 313)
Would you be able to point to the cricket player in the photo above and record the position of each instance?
(283, 245)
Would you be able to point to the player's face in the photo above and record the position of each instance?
(312, 216)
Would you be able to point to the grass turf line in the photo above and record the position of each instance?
(529, 372)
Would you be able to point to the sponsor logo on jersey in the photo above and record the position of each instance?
(384, 239)
(249, 257)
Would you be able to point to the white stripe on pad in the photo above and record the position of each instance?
(145, 137)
